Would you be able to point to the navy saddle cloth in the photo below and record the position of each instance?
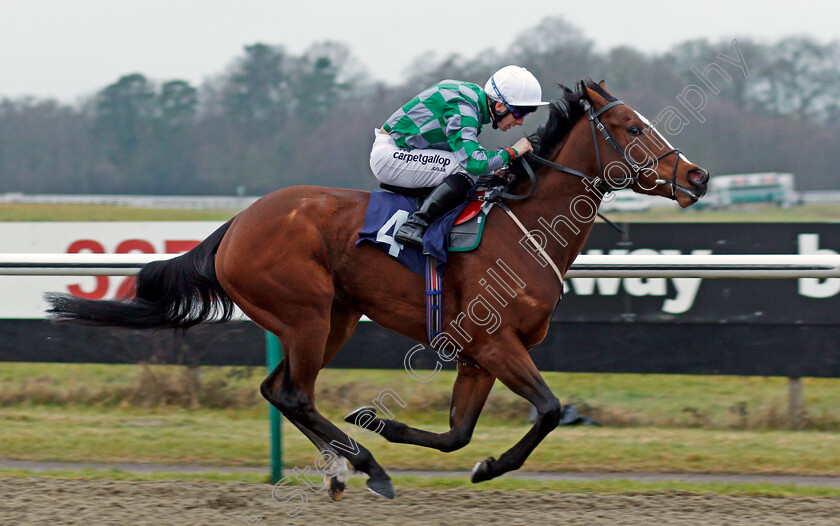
(387, 212)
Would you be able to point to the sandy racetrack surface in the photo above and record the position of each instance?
(72, 502)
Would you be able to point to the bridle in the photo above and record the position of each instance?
(603, 182)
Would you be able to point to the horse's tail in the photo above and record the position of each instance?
(175, 293)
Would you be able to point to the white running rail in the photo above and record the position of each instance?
(758, 266)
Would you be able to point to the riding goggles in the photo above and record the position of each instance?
(521, 111)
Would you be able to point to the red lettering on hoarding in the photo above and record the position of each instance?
(135, 245)
(126, 287)
(88, 245)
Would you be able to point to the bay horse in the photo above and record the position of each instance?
(291, 263)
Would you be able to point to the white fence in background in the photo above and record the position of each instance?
(137, 201)
(822, 197)
(23, 296)
(625, 201)
(756, 266)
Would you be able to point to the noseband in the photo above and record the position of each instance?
(606, 184)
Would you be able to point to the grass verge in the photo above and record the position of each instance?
(239, 438)
(215, 416)
(618, 400)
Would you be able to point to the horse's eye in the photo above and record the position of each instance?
(635, 130)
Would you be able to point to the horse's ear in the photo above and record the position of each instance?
(592, 95)
(603, 85)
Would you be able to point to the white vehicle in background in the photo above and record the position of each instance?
(737, 189)
(724, 191)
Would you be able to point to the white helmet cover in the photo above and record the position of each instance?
(515, 86)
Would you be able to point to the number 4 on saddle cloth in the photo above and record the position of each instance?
(457, 231)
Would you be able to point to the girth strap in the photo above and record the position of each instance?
(434, 287)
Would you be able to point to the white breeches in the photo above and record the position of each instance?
(409, 168)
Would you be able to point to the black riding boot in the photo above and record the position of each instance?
(443, 198)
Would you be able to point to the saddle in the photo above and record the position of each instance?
(474, 206)
(466, 230)
(409, 192)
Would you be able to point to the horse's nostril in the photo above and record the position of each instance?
(698, 176)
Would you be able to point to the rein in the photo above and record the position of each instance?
(561, 168)
(533, 177)
(604, 183)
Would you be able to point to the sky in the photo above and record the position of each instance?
(68, 50)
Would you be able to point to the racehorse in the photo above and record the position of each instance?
(291, 263)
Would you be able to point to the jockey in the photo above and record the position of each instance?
(433, 141)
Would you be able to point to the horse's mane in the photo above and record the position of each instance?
(564, 112)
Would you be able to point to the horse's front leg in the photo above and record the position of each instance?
(472, 385)
(508, 359)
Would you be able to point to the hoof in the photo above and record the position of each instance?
(355, 415)
(381, 487)
(337, 477)
(336, 488)
(481, 471)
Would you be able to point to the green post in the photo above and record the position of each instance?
(273, 355)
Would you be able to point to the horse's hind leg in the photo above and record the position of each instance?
(336, 474)
(296, 402)
(294, 302)
(472, 385)
(307, 347)
(343, 321)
